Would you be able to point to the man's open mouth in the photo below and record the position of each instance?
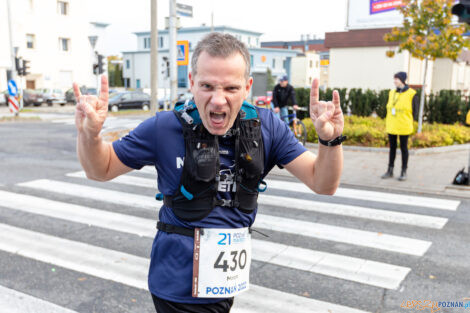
(218, 118)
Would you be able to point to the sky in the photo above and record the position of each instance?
(276, 19)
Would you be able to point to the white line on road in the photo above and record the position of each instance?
(355, 211)
(124, 179)
(344, 267)
(261, 299)
(12, 301)
(432, 203)
(132, 270)
(315, 206)
(352, 236)
(376, 240)
(98, 194)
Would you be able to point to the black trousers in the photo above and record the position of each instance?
(393, 150)
(164, 306)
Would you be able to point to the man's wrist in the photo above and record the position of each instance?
(333, 142)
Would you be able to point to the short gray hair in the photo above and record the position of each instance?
(220, 45)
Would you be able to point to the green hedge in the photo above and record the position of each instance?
(445, 106)
(370, 132)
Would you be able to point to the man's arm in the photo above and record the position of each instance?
(322, 173)
(97, 157)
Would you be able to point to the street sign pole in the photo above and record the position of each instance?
(153, 58)
(173, 68)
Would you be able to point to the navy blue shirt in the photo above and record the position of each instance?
(159, 141)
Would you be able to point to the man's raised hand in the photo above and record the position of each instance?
(91, 111)
(327, 116)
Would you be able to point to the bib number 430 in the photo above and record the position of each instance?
(238, 260)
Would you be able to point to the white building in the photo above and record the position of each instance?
(54, 37)
(304, 69)
(136, 67)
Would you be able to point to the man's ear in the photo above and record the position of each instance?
(249, 84)
(191, 81)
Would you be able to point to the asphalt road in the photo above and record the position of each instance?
(355, 252)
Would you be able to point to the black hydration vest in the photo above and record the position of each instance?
(197, 195)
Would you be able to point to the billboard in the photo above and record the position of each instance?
(364, 14)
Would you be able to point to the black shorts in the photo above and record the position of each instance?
(164, 306)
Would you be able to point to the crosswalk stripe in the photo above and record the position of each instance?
(355, 211)
(432, 203)
(352, 236)
(314, 206)
(280, 224)
(94, 193)
(124, 179)
(354, 269)
(274, 301)
(12, 301)
(128, 269)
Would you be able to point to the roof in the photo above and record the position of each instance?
(292, 43)
(284, 51)
(206, 29)
(358, 38)
(98, 24)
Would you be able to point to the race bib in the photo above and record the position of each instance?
(221, 262)
(394, 112)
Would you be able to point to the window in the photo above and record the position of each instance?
(251, 59)
(137, 83)
(147, 43)
(249, 40)
(257, 41)
(317, 64)
(160, 44)
(30, 41)
(64, 44)
(128, 64)
(310, 80)
(127, 96)
(62, 7)
(311, 63)
(31, 5)
(274, 62)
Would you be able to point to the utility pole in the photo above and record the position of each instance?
(13, 56)
(153, 58)
(173, 65)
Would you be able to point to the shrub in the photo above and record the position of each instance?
(370, 131)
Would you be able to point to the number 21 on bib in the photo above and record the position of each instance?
(221, 262)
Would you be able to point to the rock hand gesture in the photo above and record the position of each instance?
(327, 116)
(91, 111)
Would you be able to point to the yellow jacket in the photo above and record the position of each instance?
(399, 120)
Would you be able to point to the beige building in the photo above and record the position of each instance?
(358, 60)
(54, 36)
(304, 69)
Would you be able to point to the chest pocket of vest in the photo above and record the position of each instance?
(204, 163)
(251, 157)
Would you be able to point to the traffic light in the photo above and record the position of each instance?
(98, 68)
(100, 64)
(25, 69)
(462, 10)
(18, 65)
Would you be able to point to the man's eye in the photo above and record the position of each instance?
(206, 86)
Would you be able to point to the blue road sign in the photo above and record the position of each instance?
(182, 52)
(12, 88)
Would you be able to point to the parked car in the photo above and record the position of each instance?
(3, 98)
(53, 96)
(129, 100)
(30, 97)
(265, 100)
(70, 96)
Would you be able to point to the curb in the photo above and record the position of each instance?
(415, 151)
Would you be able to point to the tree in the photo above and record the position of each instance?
(115, 71)
(428, 33)
(270, 82)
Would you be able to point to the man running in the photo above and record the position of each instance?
(211, 155)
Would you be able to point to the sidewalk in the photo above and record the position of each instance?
(430, 171)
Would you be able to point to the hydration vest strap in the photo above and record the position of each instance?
(172, 229)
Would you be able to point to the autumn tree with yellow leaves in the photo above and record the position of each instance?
(428, 32)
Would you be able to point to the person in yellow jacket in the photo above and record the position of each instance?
(402, 107)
